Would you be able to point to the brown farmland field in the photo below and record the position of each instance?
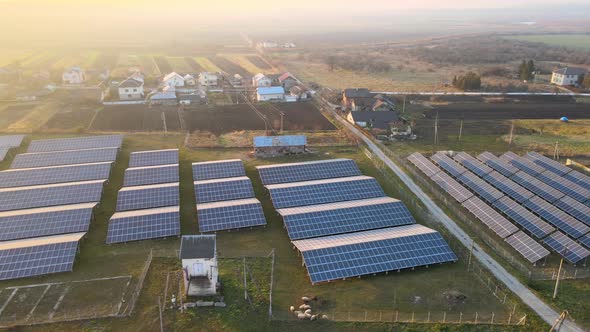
(258, 62)
(507, 111)
(229, 67)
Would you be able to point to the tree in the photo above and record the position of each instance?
(526, 70)
(331, 62)
(469, 81)
(586, 81)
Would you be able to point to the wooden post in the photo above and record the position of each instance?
(470, 254)
(245, 285)
(511, 132)
(461, 130)
(557, 280)
(160, 310)
(492, 320)
(444, 316)
(460, 317)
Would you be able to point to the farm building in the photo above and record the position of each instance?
(190, 80)
(74, 75)
(199, 264)
(236, 81)
(164, 98)
(208, 79)
(273, 146)
(271, 93)
(196, 98)
(352, 97)
(173, 80)
(131, 89)
(299, 92)
(378, 120)
(288, 81)
(261, 81)
(567, 76)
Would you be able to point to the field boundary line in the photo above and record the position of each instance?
(58, 302)
(8, 300)
(30, 314)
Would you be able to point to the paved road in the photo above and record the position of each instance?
(483, 94)
(535, 303)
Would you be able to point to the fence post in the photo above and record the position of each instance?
(380, 315)
(476, 317)
(412, 316)
(396, 315)
(444, 316)
(504, 302)
(365, 315)
(460, 317)
(492, 320)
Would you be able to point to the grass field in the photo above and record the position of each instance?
(207, 64)
(576, 41)
(179, 65)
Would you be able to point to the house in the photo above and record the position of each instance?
(74, 75)
(268, 44)
(567, 76)
(236, 81)
(166, 97)
(382, 104)
(271, 93)
(289, 45)
(208, 79)
(299, 92)
(273, 146)
(198, 255)
(353, 98)
(287, 81)
(190, 80)
(261, 81)
(131, 88)
(173, 80)
(196, 98)
(377, 120)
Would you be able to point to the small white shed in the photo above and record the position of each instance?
(198, 254)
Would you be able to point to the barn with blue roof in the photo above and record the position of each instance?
(270, 93)
(272, 146)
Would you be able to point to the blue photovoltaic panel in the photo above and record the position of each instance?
(50, 195)
(58, 174)
(30, 223)
(523, 217)
(361, 253)
(472, 164)
(566, 186)
(557, 218)
(146, 197)
(538, 187)
(140, 176)
(448, 164)
(308, 171)
(423, 164)
(566, 247)
(549, 164)
(508, 187)
(223, 189)
(153, 158)
(486, 214)
(218, 169)
(226, 215)
(3, 152)
(574, 209)
(76, 143)
(527, 247)
(527, 166)
(11, 141)
(578, 178)
(480, 187)
(144, 224)
(345, 217)
(324, 191)
(497, 164)
(39, 256)
(452, 187)
(31, 160)
(585, 240)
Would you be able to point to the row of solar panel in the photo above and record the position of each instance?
(9, 142)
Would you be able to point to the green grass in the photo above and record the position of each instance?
(575, 41)
(572, 294)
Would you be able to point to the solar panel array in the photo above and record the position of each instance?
(509, 187)
(530, 249)
(147, 197)
(566, 186)
(32, 160)
(566, 247)
(209, 170)
(448, 164)
(144, 224)
(423, 164)
(499, 165)
(50, 195)
(585, 240)
(495, 221)
(472, 164)
(3, 152)
(557, 218)
(524, 217)
(361, 253)
(574, 208)
(76, 143)
(538, 187)
(550, 164)
(480, 187)
(227, 215)
(324, 191)
(140, 176)
(153, 158)
(308, 171)
(344, 217)
(452, 187)
(578, 178)
(9, 142)
(32, 257)
(56, 174)
(223, 189)
(526, 165)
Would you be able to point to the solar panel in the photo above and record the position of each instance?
(11, 141)
(223, 189)
(538, 187)
(490, 217)
(344, 217)
(452, 187)
(585, 240)
(578, 178)
(324, 191)
(557, 218)
(523, 217)
(524, 165)
(480, 187)
(153, 158)
(209, 170)
(72, 157)
(448, 164)
(3, 152)
(472, 164)
(423, 164)
(527, 247)
(76, 143)
(50, 195)
(308, 171)
(497, 164)
(30, 223)
(144, 224)
(574, 209)
(361, 253)
(508, 187)
(226, 215)
(550, 164)
(509, 156)
(566, 247)
(566, 186)
(55, 174)
(146, 197)
(140, 176)
(38, 256)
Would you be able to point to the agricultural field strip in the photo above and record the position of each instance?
(547, 313)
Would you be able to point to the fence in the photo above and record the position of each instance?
(435, 317)
(128, 311)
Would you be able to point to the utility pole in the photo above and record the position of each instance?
(556, 151)
(436, 130)
(282, 116)
(404, 107)
(559, 273)
(470, 254)
(461, 130)
(511, 133)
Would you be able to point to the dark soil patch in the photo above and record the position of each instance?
(70, 119)
(483, 111)
(229, 67)
(14, 113)
(194, 64)
(105, 60)
(129, 118)
(258, 62)
(163, 64)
